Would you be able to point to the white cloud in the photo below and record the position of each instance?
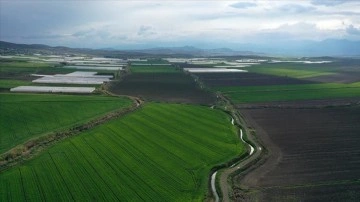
(303, 31)
(243, 5)
(296, 8)
(329, 2)
(331, 24)
(119, 22)
(145, 31)
(353, 30)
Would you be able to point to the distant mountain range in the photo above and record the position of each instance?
(330, 47)
(190, 50)
(185, 51)
(7, 48)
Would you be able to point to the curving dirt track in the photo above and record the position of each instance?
(254, 154)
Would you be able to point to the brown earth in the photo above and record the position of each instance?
(167, 87)
(302, 104)
(314, 154)
(343, 77)
(247, 79)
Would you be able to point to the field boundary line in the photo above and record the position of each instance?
(33, 147)
(228, 168)
(241, 163)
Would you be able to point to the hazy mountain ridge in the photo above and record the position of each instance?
(7, 48)
(329, 47)
(187, 51)
(194, 51)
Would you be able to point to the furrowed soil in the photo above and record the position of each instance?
(247, 79)
(169, 87)
(344, 77)
(302, 103)
(313, 154)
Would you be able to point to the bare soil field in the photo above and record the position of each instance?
(247, 79)
(344, 77)
(302, 104)
(168, 87)
(313, 154)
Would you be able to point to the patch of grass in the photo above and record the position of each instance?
(290, 92)
(25, 116)
(163, 152)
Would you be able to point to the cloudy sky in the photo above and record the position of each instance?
(133, 24)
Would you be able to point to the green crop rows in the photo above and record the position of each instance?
(11, 69)
(153, 69)
(294, 70)
(290, 92)
(10, 63)
(24, 116)
(162, 152)
(8, 83)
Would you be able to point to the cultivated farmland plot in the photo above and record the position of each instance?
(153, 69)
(171, 87)
(161, 83)
(163, 152)
(308, 71)
(255, 87)
(6, 84)
(11, 69)
(247, 79)
(341, 77)
(274, 93)
(314, 157)
(25, 116)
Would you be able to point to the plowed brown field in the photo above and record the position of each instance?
(168, 87)
(247, 79)
(314, 154)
